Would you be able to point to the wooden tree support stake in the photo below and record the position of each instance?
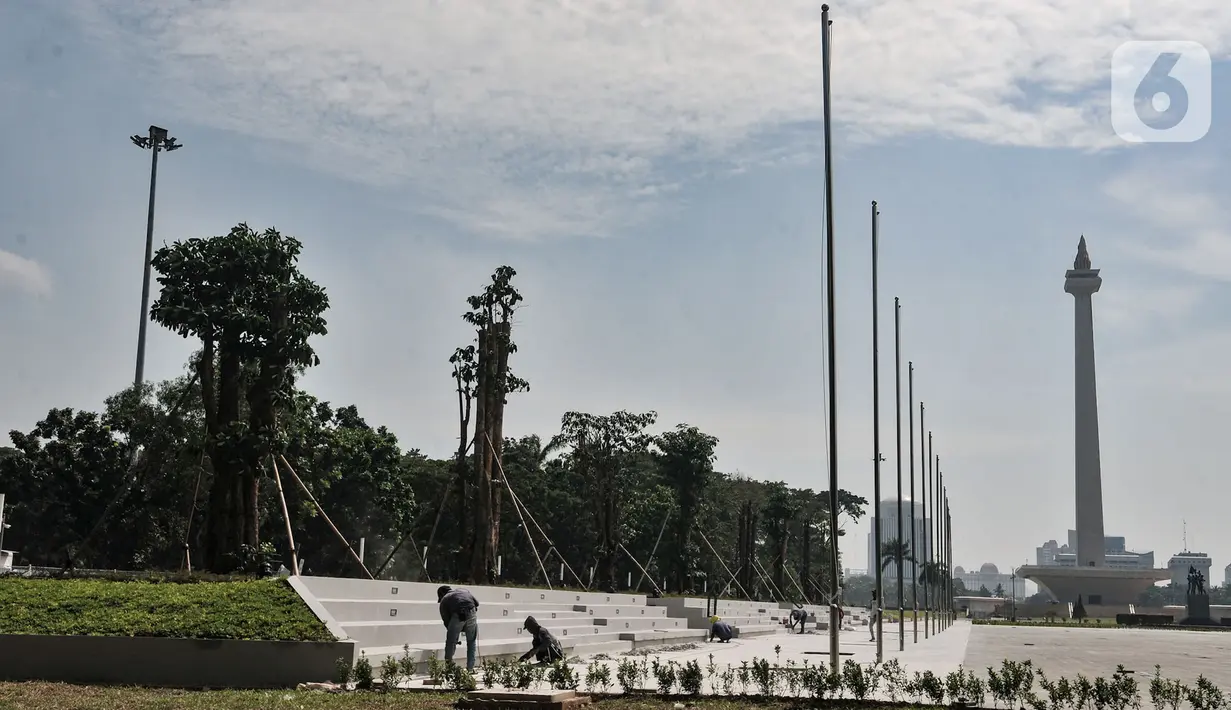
(769, 579)
(621, 546)
(654, 551)
(325, 516)
(522, 507)
(718, 557)
(286, 515)
(518, 508)
(801, 589)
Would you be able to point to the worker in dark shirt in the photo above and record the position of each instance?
(721, 630)
(459, 611)
(543, 646)
(799, 616)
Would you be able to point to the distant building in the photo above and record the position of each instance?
(887, 519)
(1053, 554)
(1226, 576)
(990, 576)
(1180, 563)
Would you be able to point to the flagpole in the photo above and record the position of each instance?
(897, 445)
(935, 521)
(949, 544)
(927, 533)
(834, 606)
(940, 535)
(877, 537)
(914, 505)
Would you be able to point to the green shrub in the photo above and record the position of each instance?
(267, 610)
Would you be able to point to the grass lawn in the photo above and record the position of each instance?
(55, 696)
(254, 610)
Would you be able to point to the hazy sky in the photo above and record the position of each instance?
(652, 170)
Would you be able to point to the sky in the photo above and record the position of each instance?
(653, 171)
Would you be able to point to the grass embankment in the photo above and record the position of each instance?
(266, 610)
(55, 696)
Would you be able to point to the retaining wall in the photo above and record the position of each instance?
(169, 662)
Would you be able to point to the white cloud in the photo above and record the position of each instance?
(469, 100)
(1185, 221)
(1138, 307)
(23, 274)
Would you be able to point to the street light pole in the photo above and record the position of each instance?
(156, 141)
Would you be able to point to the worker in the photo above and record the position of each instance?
(544, 647)
(720, 629)
(873, 615)
(459, 611)
(799, 616)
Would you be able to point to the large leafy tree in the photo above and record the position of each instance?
(243, 297)
(685, 457)
(605, 451)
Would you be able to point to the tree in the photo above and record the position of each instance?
(983, 591)
(782, 509)
(243, 297)
(891, 550)
(931, 573)
(604, 450)
(685, 458)
(359, 475)
(491, 314)
(999, 591)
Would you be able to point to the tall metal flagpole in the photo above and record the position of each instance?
(835, 602)
(935, 516)
(914, 505)
(949, 543)
(945, 600)
(897, 407)
(927, 528)
(877, 538)
(944, 537)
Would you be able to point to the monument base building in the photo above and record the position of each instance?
(1094, 585)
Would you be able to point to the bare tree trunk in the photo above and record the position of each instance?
(479, 562)
(225, 519)
(500, 392)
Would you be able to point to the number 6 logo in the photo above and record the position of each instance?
(1161, 92)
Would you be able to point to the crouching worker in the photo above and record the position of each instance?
(545, 648)
(459, 611)
(720, 630)
(799, 616)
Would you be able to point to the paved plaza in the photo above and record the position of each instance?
(1066, 652)
(1058, 651)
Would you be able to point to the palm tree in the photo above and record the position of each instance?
(932, 573)
(890, 551)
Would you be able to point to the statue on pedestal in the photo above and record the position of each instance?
(1196, 581)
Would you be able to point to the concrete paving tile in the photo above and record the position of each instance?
(1059, 651)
